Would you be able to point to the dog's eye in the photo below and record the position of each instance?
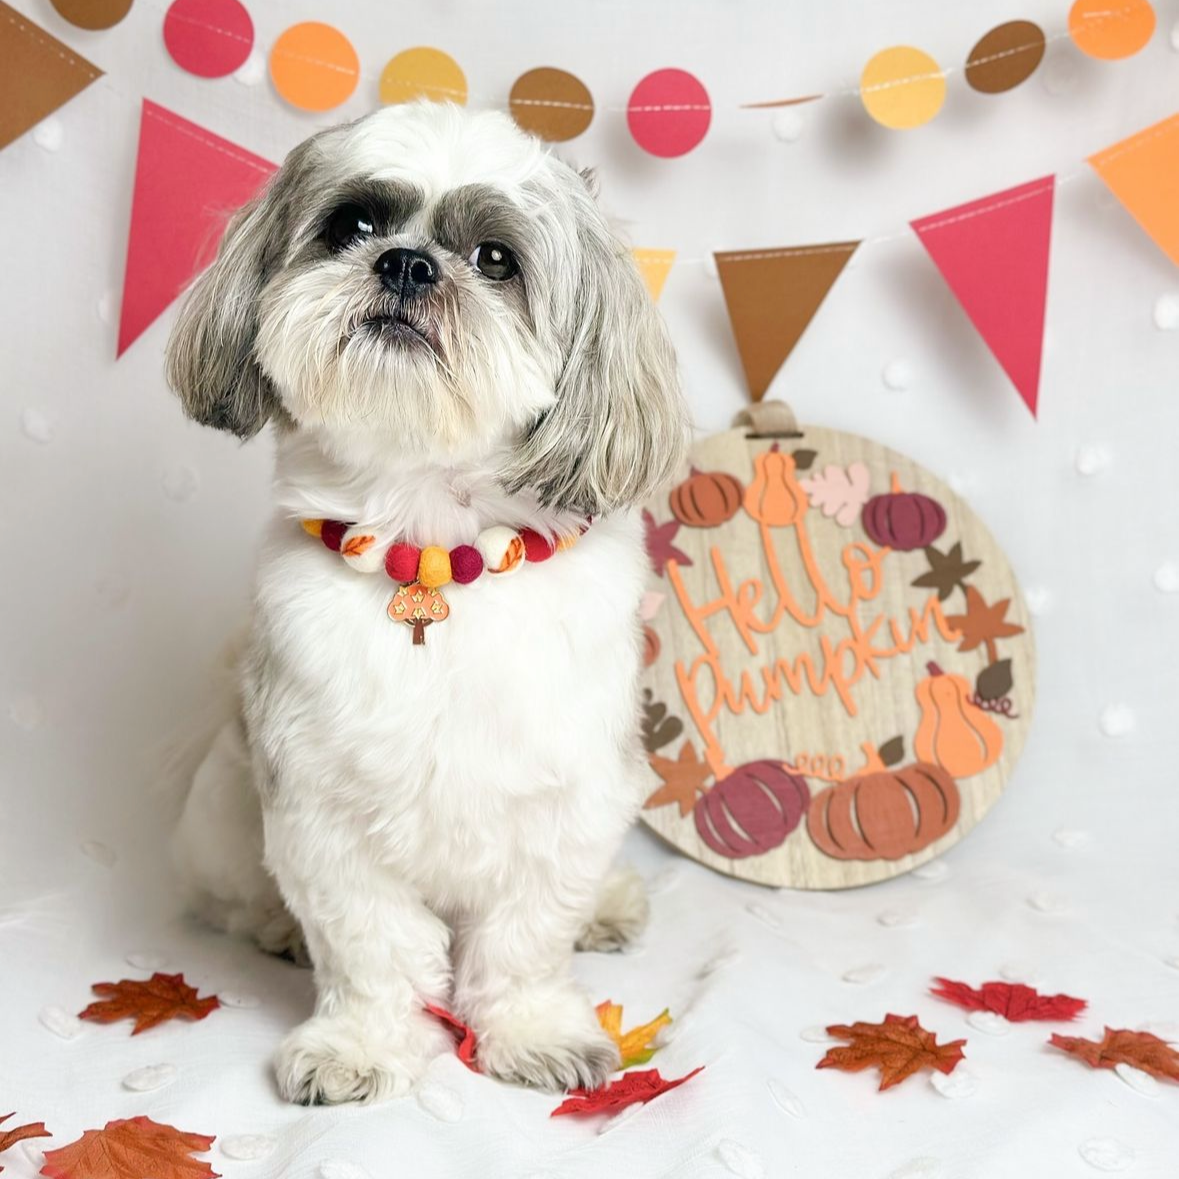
(494, 260)
(346, 226)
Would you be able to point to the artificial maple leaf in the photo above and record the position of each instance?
(160, 998)
(464, 1037)
(982, 624)
(1121, 1046)
(131, 1148)
(839, 493)
(683, 778)
(947, 571)
(899, 1047)
(659, 546)
(629, 1090)
(20, 1133)
(636, 1046)
(1013, 1001)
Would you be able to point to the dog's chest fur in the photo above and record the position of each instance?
(492, 746)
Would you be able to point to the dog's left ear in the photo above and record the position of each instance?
(619, 428)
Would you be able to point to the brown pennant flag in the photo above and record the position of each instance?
(38, 74)
(772, 295)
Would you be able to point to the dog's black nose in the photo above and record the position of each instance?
(406, 272)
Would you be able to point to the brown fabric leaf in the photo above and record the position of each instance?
(899, 1047)
(1122, 1046)
(160, 998)
(131, 1148)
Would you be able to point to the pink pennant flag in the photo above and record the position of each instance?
(187, 183)
(993, 253)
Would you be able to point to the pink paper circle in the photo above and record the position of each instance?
(209, 38)
(668, 113)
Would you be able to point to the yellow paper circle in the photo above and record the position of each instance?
(423, 73)
(313, 66)
(902, 87)
(1110, 29)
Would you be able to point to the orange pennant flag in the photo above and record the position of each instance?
(772, 295)
(1143, 173)
(39, 74)
(654, 266)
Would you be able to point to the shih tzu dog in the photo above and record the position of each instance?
(435, 756)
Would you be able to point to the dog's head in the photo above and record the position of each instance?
(435, 283)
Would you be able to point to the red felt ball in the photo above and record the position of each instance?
(466, 563)
(401, 562)
(332, 534)
(536, 547)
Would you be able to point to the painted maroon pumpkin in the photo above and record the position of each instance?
(904, 520)
(752, 810)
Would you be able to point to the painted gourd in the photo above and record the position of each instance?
(884, 815)
(775, 497)
(706, 498)
(903, 520)
(954, 733)
(751, 810)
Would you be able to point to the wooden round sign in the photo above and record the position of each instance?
(840, 671)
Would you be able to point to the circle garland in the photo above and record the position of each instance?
(839, 670)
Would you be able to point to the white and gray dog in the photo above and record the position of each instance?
(431, 310)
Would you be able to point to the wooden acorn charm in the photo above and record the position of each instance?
(418, 606)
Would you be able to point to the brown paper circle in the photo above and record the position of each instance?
(93, 14)
(1006, 56)
(847, 759)
(551, 104)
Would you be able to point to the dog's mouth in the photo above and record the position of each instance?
(398, 328)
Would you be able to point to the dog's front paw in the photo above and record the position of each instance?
(330, 1060)
(621, 913)
(556, 1045)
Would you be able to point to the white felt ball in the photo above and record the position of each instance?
(26, 712)
(788, 125)
(49, 134)
(150, 1077)
(897, 375)
(1139, 1081)
(989, 1022)
(1116, 721)
(785, 1100)
(60, 1022)
(247, 1147)
(1038, 598)
(369, 556)
(1106, 1154)
(37, 425)
(954, 1085)
(252, 70)
(1166, 577)
(1166, 312)
(1092, 459)
(501, 548)
(862, 975)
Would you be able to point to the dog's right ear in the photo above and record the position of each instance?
(210, 359)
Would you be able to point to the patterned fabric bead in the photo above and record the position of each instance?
(466, 563)
(332, 534)
(360, 549)
(536, 547)
(434, 567)
(501, 548)
(401, 562)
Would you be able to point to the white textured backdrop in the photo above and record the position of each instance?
(128, 538)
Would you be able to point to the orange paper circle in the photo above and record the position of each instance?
(423, 73)
(314, 67)
(1005, 57)
(902, 87)
(92, 14)
(1110, 29)
(551, 104)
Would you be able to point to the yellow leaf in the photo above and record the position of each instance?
(636, 1046)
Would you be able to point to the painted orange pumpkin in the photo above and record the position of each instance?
(954, 733)
(706, 498)
(775, 497)
(884, 815)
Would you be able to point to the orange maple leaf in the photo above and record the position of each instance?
(683, 778)
(162, 997)
(983, 624)
(636, 1046)
(131, 1148)
(1121, 1046)
(899, 1047)
(19, 1133)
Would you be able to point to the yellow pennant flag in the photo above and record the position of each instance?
(1143, 173)
(654, 266)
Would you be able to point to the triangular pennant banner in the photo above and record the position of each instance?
(654, 266)
(187, 182)
(772, 295)
(1143, 173)
(37, 74)
(993, 253)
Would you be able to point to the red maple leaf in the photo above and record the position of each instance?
(464, 1037)
(19, 1133)
(631, 1089)
(659, 546)
(131, 1148)
(899, 1047)
(1121, 1046)
(161, 997)
(1013, 1001)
